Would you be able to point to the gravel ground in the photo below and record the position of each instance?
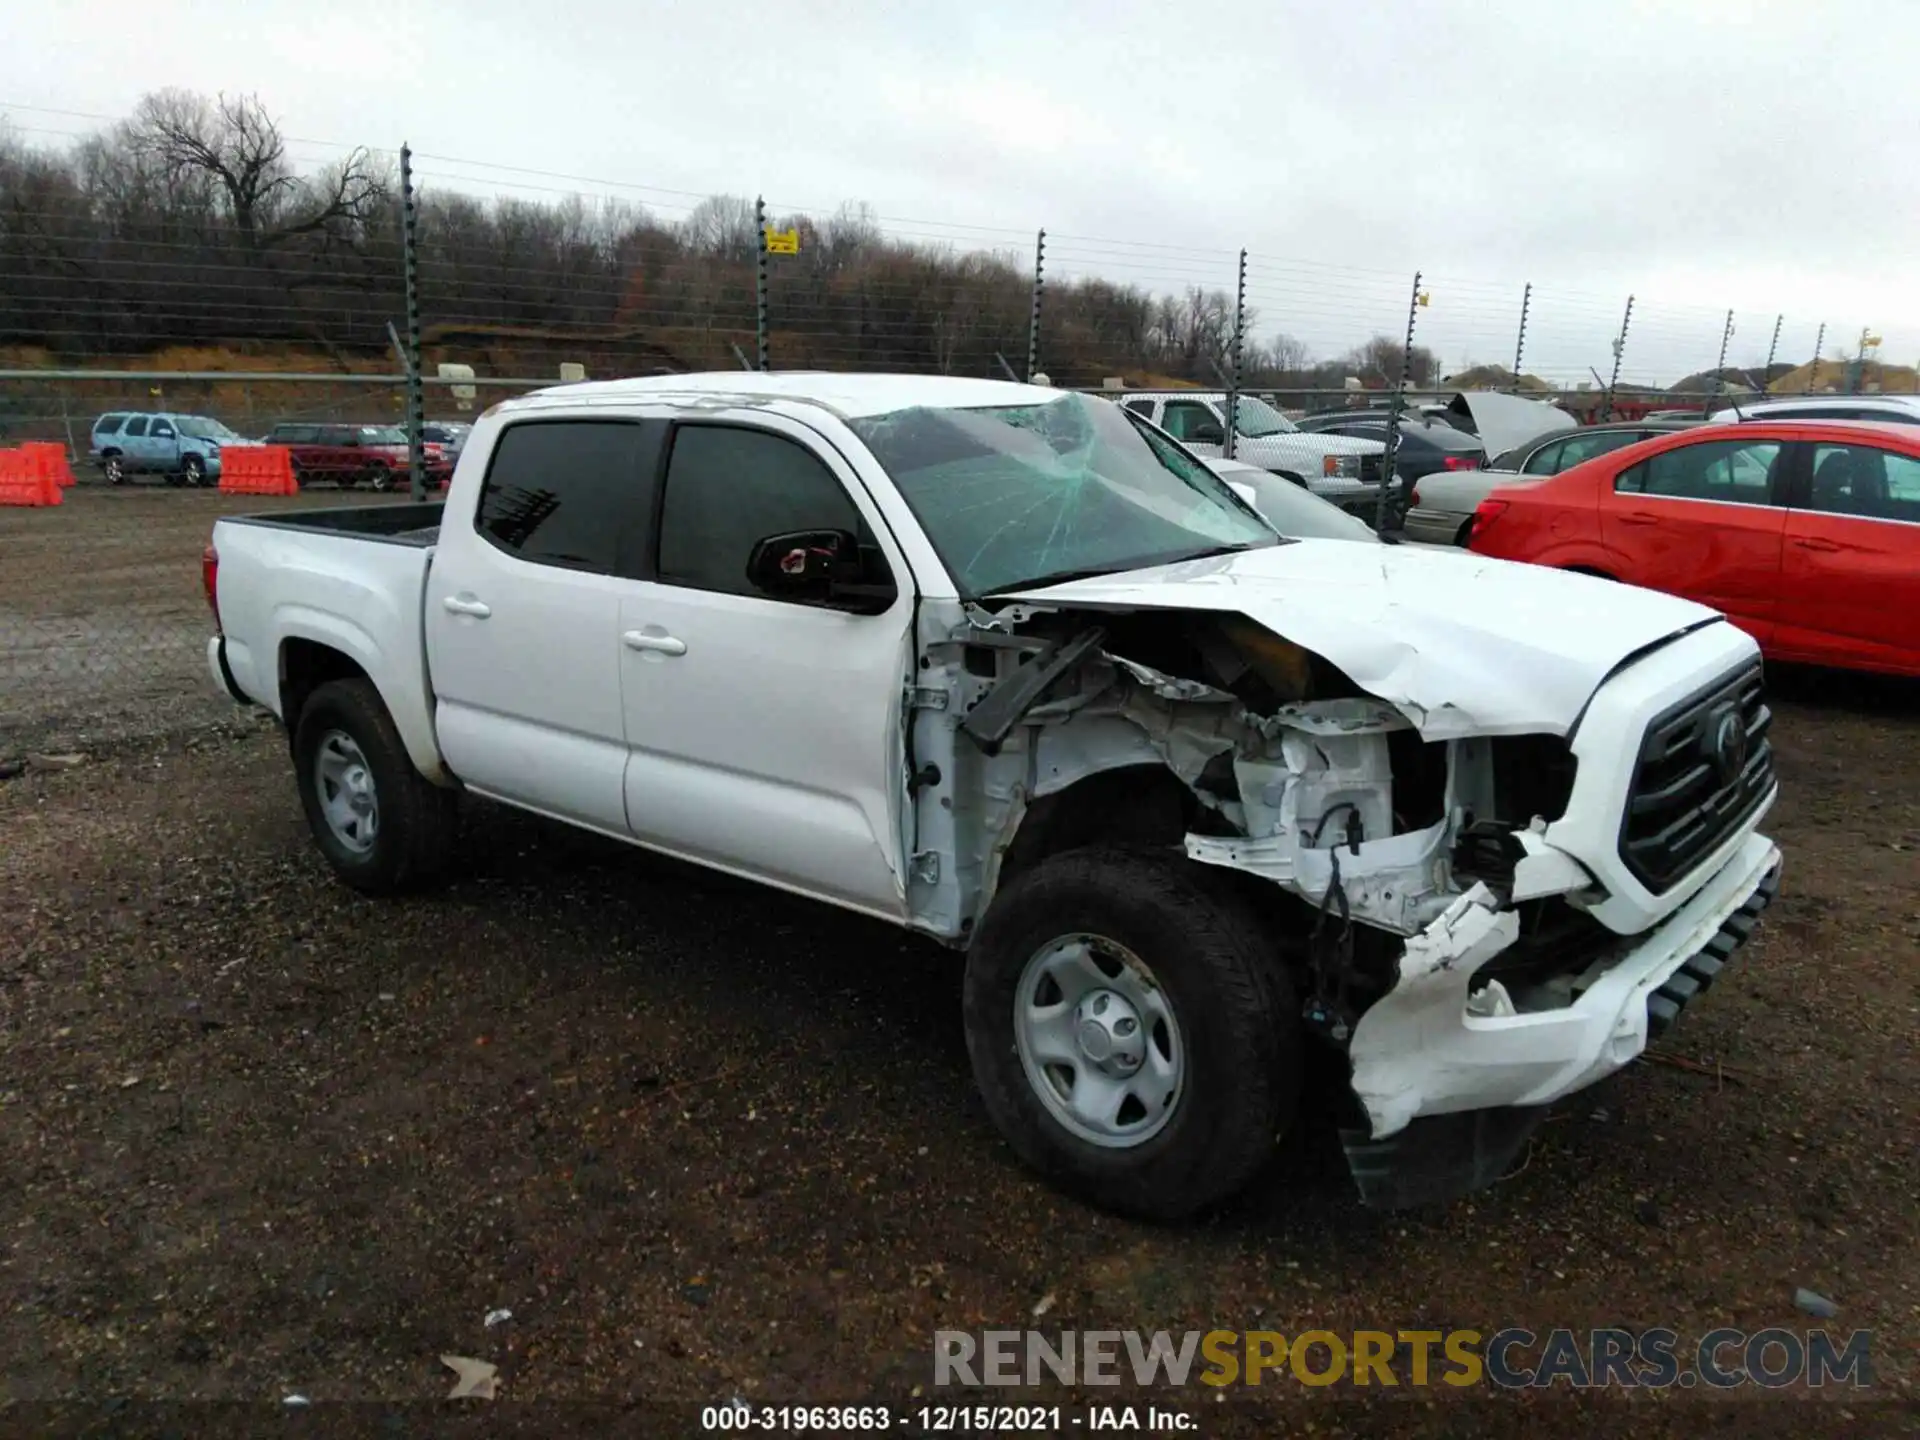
(266, 1138)
(103, 624)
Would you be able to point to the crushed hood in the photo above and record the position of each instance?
(1459, 643)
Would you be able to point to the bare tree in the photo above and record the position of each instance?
(1380, 360)
(232, 150)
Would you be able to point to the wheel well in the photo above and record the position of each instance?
(306, 665)
(1589, 570)
(1135, 805)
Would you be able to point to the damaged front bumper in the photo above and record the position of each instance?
(1453, 1076)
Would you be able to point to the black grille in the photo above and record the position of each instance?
(1705, 766)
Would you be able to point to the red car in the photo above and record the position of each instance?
(350, 455)
(1806, 534)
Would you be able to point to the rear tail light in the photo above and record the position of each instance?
(1462, 462)
(210, 582)
(1485, 513)
(1414, 498)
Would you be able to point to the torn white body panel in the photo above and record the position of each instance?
(1459, 645)
(1429, 1047)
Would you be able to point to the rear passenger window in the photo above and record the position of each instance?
(1735, 471)
(728, 488)
(107, 424)
(561, 492)
(1141, 407)
(137, 425)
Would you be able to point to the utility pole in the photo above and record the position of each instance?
(1520, 342)
(760, 282)
(1039, 289)
(410, 269)
(1619, 349)
(1233, 376)
(1387, 461)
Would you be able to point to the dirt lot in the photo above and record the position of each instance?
(103, 625)
(265, 1138)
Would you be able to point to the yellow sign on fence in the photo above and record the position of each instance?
(783, 242)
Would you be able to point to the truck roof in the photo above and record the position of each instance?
(849, 396)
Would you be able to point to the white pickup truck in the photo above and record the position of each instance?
(1343, 470)
(1009, 667)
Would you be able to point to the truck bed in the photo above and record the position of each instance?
(392, 524)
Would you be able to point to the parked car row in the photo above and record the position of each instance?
(184, 449)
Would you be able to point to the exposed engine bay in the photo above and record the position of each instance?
(1292, 773)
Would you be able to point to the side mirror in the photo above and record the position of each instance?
(818, 567)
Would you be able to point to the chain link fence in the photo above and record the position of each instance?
(298, 311)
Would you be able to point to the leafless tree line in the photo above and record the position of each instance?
(189, 225)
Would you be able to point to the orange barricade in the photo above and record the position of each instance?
(24, 480)
(53, 456)
(257, 470)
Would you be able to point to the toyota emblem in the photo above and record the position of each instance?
(1727, 744)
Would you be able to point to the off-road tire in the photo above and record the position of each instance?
(1233, 999)
(414, 840)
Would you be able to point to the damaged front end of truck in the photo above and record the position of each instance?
(1403, 848)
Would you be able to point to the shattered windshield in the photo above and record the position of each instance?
(1255, 419)
(1022, 495)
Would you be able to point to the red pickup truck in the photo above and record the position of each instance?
(350, 455)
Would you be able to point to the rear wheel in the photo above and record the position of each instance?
(1132, 1037)
(383, 826)
(115, 469)
(1466, 533)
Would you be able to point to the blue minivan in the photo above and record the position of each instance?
(184, 449)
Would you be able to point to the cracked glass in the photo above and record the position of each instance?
(1013, 496)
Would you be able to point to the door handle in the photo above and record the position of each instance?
(475, 608)
(1639, 517)
(659, 644)
(1814, 542)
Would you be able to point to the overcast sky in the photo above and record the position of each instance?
(1699, 155)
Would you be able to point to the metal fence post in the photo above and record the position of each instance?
(1230, 439)
(1766, 381)
(1387, 477)
(1813, 370)
(1619, 349)
(410, 267)
(1039, 288)
(1520, 341)
(760, 282)
(1713, 393)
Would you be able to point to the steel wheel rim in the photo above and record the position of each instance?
(1099, 1041)
(344, 783)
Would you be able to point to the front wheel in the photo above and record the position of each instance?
(1133, 1038)
(193, 470)
(383, 826)
(380, 478)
